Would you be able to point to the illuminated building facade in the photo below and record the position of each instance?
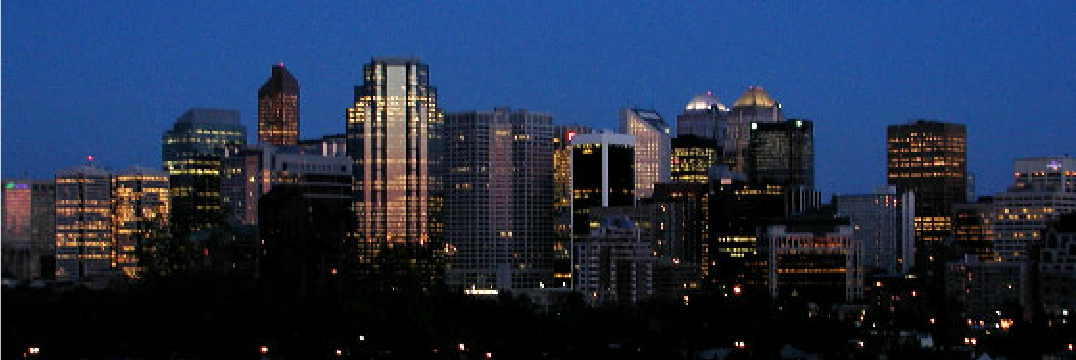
(754, 106)
(613, 263)
(328, 145)
(883, 223)
(652, 148)
(83, 224)
(815, 258)
(1045, 189)
(140, 207)
(781, 153)
(929, 158)
(692, 158)
(191, 152)
(562, 201)
(29, 228)
(251, 171)
(278, 109)
(394, 139)
(603, 174)
(499, 199)
(739, 212)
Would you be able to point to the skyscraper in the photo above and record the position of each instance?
(603, 174)
(929, 158)
(781, 153)
(140, 207)
(754, 106)
(394, 138)
(816, 258)
(652, 148)
(882, 224)
(499, 199)
(704, 116)
(83, 224)
(562, 200)
(692, 158)
(278, 109)
(29, 228)
(191, 152)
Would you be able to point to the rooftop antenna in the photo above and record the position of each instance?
(89, 160)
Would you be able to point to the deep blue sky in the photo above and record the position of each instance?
(105, 78)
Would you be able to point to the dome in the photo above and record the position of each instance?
(755, 96)
(705, 101)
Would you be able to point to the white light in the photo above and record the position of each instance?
(35, 350)
(362, 337)
(480, 291)
(462, 347)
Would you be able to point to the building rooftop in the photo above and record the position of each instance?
(703, 102)
(755, 96)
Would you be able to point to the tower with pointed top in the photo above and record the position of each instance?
(754, 106)
(278, 109)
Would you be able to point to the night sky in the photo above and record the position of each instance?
(106, 78)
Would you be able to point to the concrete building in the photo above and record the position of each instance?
(499, 197)
(815, 258)
(84, 249)
(1045, 189)
(613, 263)
(652, 148)
(883, 223)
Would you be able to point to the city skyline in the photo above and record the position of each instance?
(893, 71)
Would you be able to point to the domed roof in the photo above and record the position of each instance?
(755, 96)
(704, 101)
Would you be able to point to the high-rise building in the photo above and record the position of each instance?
(754, 106)
(973, 228)
(883, 224)
(1045, 189)
(693, 157)
(251, 171)
(652, 148)
(1057, 257)
(83, 224)
(394, 138)
(562, 201)
(613, 263)
(328, 145)
(191, 153)
(983, 289)
(781, 153)
(140, 207)
(815, 258)
(498, 208)
(704, 116)
(278, 109)
(929, 158)
(29, 228)
(603, 174)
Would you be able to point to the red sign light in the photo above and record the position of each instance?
(570, 135)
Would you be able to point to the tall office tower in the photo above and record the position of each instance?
(603, 174)
(251, 171)
(191, 153)
(815, 258)
(704, 116)
(562, 201)
(781, 153)
(278, 109)
(692, 158)
(140, 208)
(973, 228)
(883, 223)
(328, 145)
(394, 137)
(499, 199)
(29, 229)
(929, 158)
(613, 263)
(1045, 189)
(652, 148)
(739, 213)
(83, 224)
(754, 106)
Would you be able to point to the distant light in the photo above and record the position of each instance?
(36, 350)
(489, 355)
(711, 93)
(89, 158)
(740, 344)
(339, 353)
(462, 347)
(859, 343)
(1070, 347)
(570, 135)
(931, 320)
(281, 64)
(737, 290)
(264, 349)
(1005, 324)
(362, 337)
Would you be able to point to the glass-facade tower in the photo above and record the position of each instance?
(394, 138)
(652, 148)
(83, 224)
(140, 205)
(754, 106)
(278, 109)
